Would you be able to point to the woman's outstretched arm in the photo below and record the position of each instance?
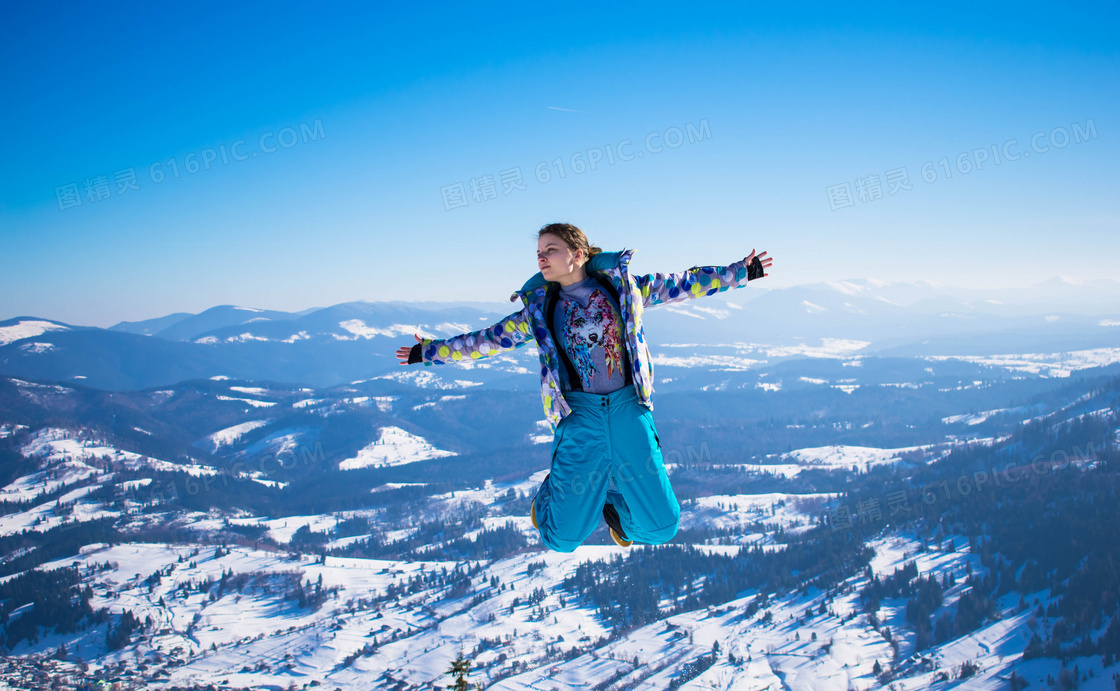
(511, 332)
(660, 289)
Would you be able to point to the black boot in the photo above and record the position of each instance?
(610, 516)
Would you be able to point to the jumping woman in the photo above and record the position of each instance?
(584, 310)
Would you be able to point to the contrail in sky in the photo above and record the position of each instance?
(567, 109)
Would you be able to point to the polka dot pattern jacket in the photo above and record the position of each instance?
(635, 293)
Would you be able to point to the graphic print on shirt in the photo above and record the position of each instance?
(590, 328)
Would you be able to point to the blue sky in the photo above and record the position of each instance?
(355, 125)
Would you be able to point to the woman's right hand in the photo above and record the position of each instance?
(403, 351)
(764, 262)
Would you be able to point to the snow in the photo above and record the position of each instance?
(682, 310)
(193, 469)
(27, 386)
(231, 435)
(394, 446)
(36, 347)
(452, 328)
(730, 363)
(384, 403)
(846, 287)
(714, 311)
(346, 541)
(544, 433)
(1045, 364)
(282, 529)
(433, 404)
(65, 457)
(397, 485)
(737, 511)
(66, 461)
(260, 639)
(7, 430)
(27, 328)
(282, 442)
(420, 379)
(977, 418)
(838, 456)
(362, 330)
(255, 404)
(782, 469)
(256, 627)
(842, 348)
(255, 390)
(847, 456)
(62, 462)
(241, 338)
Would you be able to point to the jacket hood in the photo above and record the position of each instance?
(600, 262)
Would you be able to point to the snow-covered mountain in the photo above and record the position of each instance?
(863, 509)
(252, 535)
(358, 340)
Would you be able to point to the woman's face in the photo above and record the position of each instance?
(555, 258)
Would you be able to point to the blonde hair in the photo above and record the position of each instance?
(573, 236)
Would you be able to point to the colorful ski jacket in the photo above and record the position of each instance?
(634, 294)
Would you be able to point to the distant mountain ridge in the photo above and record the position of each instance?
(357, 340)
(184, 326)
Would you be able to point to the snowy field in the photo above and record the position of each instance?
(381, 622)
(1045, 364)
(394, 446)
(27, 328)
(842, 457)
(733, 511)
(374, 627)
(232, 435)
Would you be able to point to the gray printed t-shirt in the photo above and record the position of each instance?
(588, 326)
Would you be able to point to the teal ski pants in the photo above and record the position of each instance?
(606, 451)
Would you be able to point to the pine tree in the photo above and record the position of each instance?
(460, 667)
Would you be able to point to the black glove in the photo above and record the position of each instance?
(414, 355)
(754, 269)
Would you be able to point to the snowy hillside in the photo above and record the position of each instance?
(904, 537)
